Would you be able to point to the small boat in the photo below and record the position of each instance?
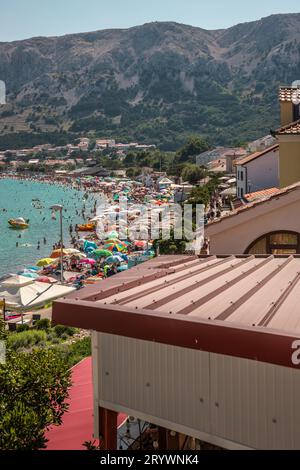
(19, 224)
(86, 227)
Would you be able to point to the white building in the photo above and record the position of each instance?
(258, 171)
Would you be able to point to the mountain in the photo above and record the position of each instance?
(152, 83)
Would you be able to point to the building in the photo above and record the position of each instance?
(289, 161)
(92, 171)
(261, 144)
(181, 343)
(258, 171)
(105, 143)
(266, 225)
(288, 135)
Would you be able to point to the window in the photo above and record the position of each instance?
(276, 243)
(242, 192)
(242, 176)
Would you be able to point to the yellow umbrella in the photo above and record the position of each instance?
(45, 262)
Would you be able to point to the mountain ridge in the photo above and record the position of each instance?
(155, 82)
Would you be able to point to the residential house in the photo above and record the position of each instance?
(258, 171)
(267, 225)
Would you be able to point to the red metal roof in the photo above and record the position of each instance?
(236, 305)
(78, 424)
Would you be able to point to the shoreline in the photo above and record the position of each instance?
(69, 237)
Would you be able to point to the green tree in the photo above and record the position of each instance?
(34, 387)
(192, 173)
(170, 246)
(194, 146)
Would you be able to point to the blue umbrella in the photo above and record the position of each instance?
(124, 267)
(114, 259)
(30, 275)
(89, 245)
(33, 268)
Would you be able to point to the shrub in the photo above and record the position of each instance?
(43, 324)
(55, 341)
(74, 353)
(61, 329)
(21, 328)
(25, 339)
(64, 336)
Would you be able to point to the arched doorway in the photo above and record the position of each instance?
(276, 243)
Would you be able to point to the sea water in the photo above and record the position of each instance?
(17, 198)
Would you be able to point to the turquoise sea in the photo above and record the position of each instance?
(16, 198)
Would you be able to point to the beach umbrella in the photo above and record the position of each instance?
(140, 243)
(114, 259)
(57, 253)
(115, 247)
(101, 253)
(16, 280)
(30, 275)
(112, 234)
(72, 251)
(89, 246)
(87, 261)
(45, 262)
(79, 255)
(32, 268)
(113, 240)
(27, 296)
(122, 268)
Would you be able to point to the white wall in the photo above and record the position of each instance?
(233, 235)
(241, 181)
(231, 402)
(263, 172)
(260, 173)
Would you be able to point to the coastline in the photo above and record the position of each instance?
(77, 187)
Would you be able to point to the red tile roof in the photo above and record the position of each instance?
(251, 205)
(286, 93)
(290, 129)
(261, 194)
(253, 156)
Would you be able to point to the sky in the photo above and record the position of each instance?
(20, 19)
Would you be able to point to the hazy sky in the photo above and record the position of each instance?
(27, 18)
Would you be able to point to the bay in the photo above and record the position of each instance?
(16, 197)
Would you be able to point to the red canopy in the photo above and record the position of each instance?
(77, 426)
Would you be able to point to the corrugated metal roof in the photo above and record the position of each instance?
(240, 290)
(243, 306)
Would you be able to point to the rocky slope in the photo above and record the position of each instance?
(156, 82)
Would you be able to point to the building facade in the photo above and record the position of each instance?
(258, 171)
